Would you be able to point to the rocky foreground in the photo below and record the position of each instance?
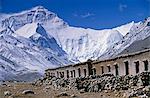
(101, 86)
(25, 90)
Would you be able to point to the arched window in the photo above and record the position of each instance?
(102, 67)
(137, 66)
(146, 65)
(116, 70)
(67, 73)
(79, 72)
(85, 72)
(126, 67)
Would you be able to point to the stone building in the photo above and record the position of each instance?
(127, 64)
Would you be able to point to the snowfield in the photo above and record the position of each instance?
(27, 30)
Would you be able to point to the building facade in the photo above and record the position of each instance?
(127, 64)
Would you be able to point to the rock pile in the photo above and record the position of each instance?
(137, 85)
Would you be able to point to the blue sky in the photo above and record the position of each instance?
(97, 14)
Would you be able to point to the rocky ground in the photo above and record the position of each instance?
(101, 86)
(17, 90)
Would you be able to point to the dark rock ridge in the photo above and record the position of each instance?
(138, 46)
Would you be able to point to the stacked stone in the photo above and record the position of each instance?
(135, 85)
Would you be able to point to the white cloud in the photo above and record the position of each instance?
(75, 14)
(122, 7)
(87, 15)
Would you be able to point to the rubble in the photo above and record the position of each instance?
(135, 86)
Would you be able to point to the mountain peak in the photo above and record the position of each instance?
(41, 9)
(37, 14)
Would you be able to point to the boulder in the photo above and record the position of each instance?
(28, 92)
(82, 91)
(62, 94)
(143, 96)
(7, 93)
(73, 96)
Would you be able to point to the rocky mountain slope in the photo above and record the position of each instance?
(138, 46)
(27, 49)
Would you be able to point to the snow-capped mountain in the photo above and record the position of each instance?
(25, 43)
(140, 33)
(36, 39)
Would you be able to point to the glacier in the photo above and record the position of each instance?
(36, 39)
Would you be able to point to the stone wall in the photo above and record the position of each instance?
(132, 86)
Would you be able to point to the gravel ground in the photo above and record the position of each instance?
(16, 90)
